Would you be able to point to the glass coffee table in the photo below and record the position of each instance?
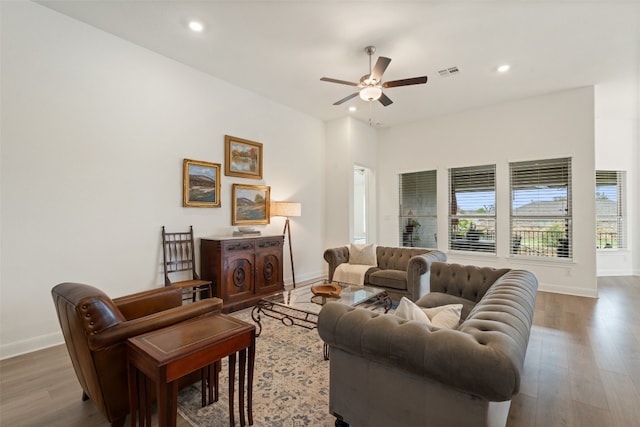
(301, 307)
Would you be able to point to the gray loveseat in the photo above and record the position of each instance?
(401, 271)
(388, 371)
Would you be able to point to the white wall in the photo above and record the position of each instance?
(616, 140)
(552, 126)
(349, 142)
(94, 131)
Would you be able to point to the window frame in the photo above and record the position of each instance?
(414, 219)
(468, 237)
(619, 178)
(538, 175)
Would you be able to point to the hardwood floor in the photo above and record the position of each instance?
(582, 369)
(583, 361)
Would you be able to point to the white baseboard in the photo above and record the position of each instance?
(625, 272)
(567, 290)
(32, 344)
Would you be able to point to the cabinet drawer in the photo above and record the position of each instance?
(267, 244)
(240, 246)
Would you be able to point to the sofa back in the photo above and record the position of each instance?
(396, 258)
(465, 281)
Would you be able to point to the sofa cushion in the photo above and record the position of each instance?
(408, 310)
(447, 316)
(394, 279)
(362, 254)
(436, 299)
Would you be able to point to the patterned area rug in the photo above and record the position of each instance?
(291, 382)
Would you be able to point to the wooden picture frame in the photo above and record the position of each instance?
(250, 204)
(200, 184)
(243, 158)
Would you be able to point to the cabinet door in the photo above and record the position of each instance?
(238, 264)
(269, 275)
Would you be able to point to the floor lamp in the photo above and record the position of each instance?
(287, 209)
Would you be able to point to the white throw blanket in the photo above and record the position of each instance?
(351, 273)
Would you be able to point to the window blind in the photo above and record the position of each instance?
(418, 210)
(472, 208)
(610, 209)
(541, 213)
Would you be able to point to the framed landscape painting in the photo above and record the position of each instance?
(201, 184)
(243, 158)
(250, 204)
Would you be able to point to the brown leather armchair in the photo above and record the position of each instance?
(96, 329)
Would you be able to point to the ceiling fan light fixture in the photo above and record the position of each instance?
(196, 26)
(370, 93)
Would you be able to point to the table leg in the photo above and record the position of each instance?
(147, 398)
(216, 378)
(243, 368)
(172, 407)
(232, 380)
(162, 399)
(252, 358)
(204, 385)
(132, 374)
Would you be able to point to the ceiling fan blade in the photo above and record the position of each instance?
(406, 82)
(346, 98)
(342, 82)
(381, 65)
(384, 100)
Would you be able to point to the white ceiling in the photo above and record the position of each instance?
(280, 49)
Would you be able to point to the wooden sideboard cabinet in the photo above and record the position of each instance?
(242, 269)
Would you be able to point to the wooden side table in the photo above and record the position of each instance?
(168, 354)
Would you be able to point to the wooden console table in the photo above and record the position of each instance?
(168, 354)
(242, 269)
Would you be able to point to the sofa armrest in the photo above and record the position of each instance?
(148, 302)
(418, 270)
(335, 257)
(123, 330)
(478, 363)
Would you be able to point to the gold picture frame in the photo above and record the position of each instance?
(243, 158)
(250, 204)
(200, 184)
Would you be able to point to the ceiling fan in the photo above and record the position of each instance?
(371, 84)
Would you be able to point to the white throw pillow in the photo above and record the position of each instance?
(444, 316)
(362, 254)
(408, 310)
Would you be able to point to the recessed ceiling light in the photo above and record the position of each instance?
(196, 26)
(352, 108)
(504, 68)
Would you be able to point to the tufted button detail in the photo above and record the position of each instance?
(84, 306)
(87, 315)
(92, 323)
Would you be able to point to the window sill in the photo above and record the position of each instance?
(547, 261)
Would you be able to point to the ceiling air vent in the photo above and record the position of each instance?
(451, 71)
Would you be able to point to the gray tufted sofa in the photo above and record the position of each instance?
(388, 371)
(401, 271)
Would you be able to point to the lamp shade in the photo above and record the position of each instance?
(288, 209)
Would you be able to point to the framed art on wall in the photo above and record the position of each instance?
(250, 204)
(201, 184)
(243, 158)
